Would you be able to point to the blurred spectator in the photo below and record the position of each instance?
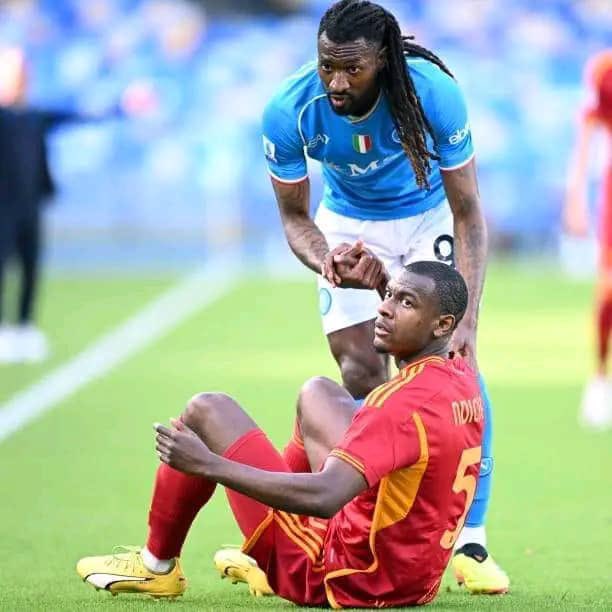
(25, 185)
(596, 117)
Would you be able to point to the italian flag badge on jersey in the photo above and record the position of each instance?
(362, 143)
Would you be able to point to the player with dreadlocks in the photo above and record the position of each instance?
(387, 120)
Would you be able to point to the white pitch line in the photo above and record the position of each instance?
(189, 295)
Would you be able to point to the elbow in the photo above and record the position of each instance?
(326, 506)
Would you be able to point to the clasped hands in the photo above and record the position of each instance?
(352, 266)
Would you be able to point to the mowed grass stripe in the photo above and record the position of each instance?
(145, 327)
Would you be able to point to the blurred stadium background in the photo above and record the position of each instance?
(187, 176)
(180, 182)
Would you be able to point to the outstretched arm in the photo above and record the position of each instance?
(305, 239)
(320, 494)
(470, 249)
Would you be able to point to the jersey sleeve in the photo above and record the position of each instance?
(377, 443)
(450, 124)
(283, 145)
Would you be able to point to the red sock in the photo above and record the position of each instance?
(294, 453)
(177, 498)
(604, 325)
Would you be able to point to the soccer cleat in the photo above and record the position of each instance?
(232, 563)
(124, 572)
(475, 569)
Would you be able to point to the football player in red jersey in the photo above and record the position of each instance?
(596, 117)
(364, 507)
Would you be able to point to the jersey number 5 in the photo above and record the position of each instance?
(463, 482)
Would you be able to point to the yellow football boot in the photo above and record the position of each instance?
(475, 569)
(232, 563)
(124, 572)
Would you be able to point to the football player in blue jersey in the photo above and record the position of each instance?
(387, 120)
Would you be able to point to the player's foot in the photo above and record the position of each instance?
(8, 353)
(475, 569)
(31, 344)
(596, 407)
(124, 572)
(232, 563)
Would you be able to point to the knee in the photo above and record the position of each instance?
(311, 389)
(361, 376)
(204, 408)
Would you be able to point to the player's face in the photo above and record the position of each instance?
(408, 318)
(349, 72)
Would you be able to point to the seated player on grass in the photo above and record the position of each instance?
(374, 523)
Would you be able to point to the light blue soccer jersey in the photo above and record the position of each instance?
(367, 175)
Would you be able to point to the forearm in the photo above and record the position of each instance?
(297, 493)
(470, 256)
(306, 240)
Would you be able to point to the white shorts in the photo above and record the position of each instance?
(428, 236)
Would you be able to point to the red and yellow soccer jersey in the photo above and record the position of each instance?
(417, 442)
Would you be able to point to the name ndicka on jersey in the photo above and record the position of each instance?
(468, 411)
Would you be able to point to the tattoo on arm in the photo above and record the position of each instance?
(304, 237)
(470, 232)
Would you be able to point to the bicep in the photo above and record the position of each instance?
(293, 198)
(461, 187)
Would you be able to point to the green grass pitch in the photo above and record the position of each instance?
(78, 481)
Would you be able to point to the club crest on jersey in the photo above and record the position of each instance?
(362, 143)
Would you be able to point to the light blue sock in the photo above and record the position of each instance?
(478, 511)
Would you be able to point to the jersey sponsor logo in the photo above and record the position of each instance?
(357, 170)
(269, 149)
(362, 143)
(317, 140)
(460, 134)
(468, 411)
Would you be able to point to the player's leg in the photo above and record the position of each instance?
(348, 314)
(325, 411)
(177, 498)
(596, 405)
(32, 343)
(8, 353)
(433, 240)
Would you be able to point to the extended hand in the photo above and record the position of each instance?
(181, 448)
(354, 266)
(463, 343)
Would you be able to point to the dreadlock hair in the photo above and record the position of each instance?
(348, 20)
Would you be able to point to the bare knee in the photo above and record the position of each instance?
(312, 390)
(360, 375)
(204, 410)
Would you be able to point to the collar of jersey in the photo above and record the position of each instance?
(422, 361)
(354, 120)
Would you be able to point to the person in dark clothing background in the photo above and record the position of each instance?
(25, 184)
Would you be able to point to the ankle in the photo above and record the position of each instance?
(155, 565)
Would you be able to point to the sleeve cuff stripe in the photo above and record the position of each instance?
(351, 460)
(463, 163)
(286, 181)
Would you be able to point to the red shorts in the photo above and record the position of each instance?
(288, 547)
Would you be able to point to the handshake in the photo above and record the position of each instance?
(355, 267)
